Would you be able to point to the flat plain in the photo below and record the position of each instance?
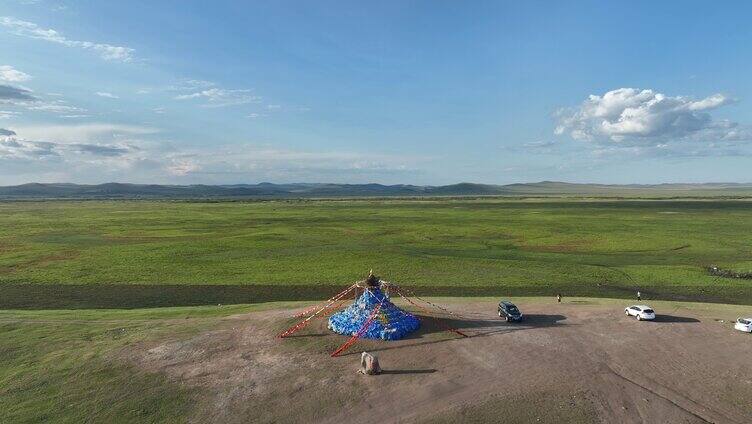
(304, 249)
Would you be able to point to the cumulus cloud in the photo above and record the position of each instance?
(219, 97)
(9, 74)
(629, 115)
(6, 133)
(32, 30)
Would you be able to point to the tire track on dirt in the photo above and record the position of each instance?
(697, 410)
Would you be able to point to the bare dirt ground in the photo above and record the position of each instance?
(579, 361)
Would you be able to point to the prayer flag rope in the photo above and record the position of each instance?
(360, 332)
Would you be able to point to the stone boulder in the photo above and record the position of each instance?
(369, 364)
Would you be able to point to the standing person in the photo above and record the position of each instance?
(639, 295)
(558, 297)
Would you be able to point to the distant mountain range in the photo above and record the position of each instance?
(303, 190)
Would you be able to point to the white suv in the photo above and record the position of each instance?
(744, 324)
(641, 312)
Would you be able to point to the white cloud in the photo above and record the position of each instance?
(25, 98)
(182, 167)
(106, 152)
(14, 147)
(106, 94)
(219, 97)
(56, 106)
(32, 30)
(9, 74)
(258, 162)
(645, 116)
(6, 114)
(79, 153)
(673, 150)
(188, 84)
(88, 153)
(83, 133)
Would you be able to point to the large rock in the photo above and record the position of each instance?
(369, 364)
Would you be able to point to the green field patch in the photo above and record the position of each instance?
(70, 239)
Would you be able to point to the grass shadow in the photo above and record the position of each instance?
(130, 296)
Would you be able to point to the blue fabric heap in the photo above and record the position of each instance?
(391, 323)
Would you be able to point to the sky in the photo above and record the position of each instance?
(392, 92)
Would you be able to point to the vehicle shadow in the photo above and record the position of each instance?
(674, 318)
(490, 327)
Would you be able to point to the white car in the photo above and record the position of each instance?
(641, 312)
(744, 324)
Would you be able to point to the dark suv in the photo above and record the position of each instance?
(509, 312)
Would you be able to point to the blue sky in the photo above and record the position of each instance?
(396, 92)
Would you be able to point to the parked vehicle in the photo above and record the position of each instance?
(641, 312)
(509, 311)
(744, 324)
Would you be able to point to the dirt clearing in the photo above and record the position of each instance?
(578, 361)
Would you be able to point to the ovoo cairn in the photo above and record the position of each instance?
(388, 323)
(372, 315)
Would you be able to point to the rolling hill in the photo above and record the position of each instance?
(318, 190)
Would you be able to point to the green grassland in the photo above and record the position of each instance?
(63, 366)
(441, 246)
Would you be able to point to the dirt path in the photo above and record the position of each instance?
(567, 362)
